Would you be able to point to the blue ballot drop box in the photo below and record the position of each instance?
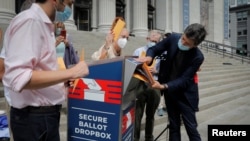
(102, 105)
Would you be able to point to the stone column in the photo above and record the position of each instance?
(177, 16)
(195, 11)
(7, 12)
(70, 23)
(140, 17)
(163, 15)
(94, 16)
(106, 15)
(128, 12)
(169, 25)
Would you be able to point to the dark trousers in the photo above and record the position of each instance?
(180, 107)
(35, 124)
(149, 98)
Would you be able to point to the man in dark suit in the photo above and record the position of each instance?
(177, 78)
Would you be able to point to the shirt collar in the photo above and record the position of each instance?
(40, 12)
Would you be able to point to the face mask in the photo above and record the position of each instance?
(182, 47)
(58, 31)
(150, 44)
(63, 16)
(122, 42)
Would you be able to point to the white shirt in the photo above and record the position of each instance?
(110, 54)
(139, 52)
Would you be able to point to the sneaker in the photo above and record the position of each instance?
(2, 112)
(160, 112)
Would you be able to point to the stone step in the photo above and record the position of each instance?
(221, 98)
(223, 69)
(233, 112)
(217, 76)
(223, 88)
(221, 66)
(226, 80)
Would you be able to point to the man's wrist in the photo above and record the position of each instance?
(165, 86)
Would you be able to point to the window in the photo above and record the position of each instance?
(242, 2)
(239, 16)
(240, 44)
(239, 2)
(242, 32)
(245, 32)
(242, 16)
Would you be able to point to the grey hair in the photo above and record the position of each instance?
(155, 33)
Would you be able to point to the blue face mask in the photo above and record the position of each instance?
(182, 47)
(63, 16)
(150, 44)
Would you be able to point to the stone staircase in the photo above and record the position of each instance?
(224, 87)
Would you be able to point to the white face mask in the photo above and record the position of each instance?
(58, 31)
(122, 42)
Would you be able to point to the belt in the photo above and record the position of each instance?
(40, 109)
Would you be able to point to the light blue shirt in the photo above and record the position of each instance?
(60, 49)
(139, 51)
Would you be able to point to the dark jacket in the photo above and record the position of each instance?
(184, 84)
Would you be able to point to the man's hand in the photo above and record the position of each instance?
(144, 59)
(79, 70)
(152, 69)
(157, 85)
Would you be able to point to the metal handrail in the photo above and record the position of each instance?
(226, 51)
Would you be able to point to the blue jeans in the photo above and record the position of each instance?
(35, 125)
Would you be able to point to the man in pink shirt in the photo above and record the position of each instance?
(32, 76)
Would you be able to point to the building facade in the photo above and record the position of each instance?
(240, 25)
(140, 15)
